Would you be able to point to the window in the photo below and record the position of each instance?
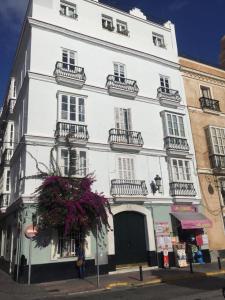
(180, 170)
(68, 60)
(121, 27)
(73, 162)
(158, 40)
(119, 72)
(164, 83)
(11, 135)
(107, 23)
(68, 9)
(72, 108)
(7, 181)
(174, 125)
(126, 168)
(206, 93)
(66, 246)
(216, 140)
(123, 118)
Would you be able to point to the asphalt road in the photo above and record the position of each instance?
(201, 289)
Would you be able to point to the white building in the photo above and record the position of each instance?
(111, 79)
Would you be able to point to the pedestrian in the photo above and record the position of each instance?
(81, 261)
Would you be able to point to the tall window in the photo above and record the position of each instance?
(165, 84)
(126, 168)
(68, 59)
(206, 93)
(11, 135)
(7, 181)
(119, 72)
(158, 40)
(216, 140)
(68, 9)
(180, 170)
(73, 162)
(72, 108)
(174, 124)
(121, 27)
(123, 118)
(107, 23)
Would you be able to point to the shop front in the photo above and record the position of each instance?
(190, 238)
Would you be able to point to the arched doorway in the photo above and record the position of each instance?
(130, 239)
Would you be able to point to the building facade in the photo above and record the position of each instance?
(205, 94)
(109, 80)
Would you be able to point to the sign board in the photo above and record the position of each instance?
(183, 208)
(30, 231)
(102, 258)
(162, 229)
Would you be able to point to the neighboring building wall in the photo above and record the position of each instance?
(196, 75)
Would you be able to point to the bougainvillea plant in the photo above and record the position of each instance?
(70, 204)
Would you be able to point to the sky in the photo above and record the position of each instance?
(200, 24)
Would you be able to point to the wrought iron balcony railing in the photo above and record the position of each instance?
(182, 189)
(122, 83)
(4, 200)
(72, 131)
(69, 71)
(208, 103)
(123, 187)
(217, 161)
(166, 93)
(176, 143)
(121, 136)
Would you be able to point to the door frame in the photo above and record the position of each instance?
(149, 228)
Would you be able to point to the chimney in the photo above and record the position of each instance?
(222, 53)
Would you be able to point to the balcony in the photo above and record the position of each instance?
(6, 156)
(73, 133)
(176, 145)
(70, 75)
(209, 104)
(168, 97)
(123, 187)
(218, 163)
(182, 189)
(122, 87)
(125, 139)
(4, 202)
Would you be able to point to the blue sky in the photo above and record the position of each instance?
(200, 24)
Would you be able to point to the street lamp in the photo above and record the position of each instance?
(156, 184)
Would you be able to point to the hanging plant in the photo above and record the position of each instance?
(70, 204)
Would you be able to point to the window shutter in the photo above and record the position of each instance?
(82, 163)
(120, 171)
(73, 163)
(117, 117)
(129, 119)
(81, 110)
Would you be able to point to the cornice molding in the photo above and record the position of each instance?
(95, 41)
(202, 76)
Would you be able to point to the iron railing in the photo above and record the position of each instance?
(125, 137)
(4, 200)
(128, 187)
(182, 189)
(176, 143)
(164, 92)
(122, 83)
(209, 103)
(69, 71)
(217, 161)
(74, 131)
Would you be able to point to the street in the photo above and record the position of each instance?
(201, 289)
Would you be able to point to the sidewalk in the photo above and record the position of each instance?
(130, 279)
(9, 289)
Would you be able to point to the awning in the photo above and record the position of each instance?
(192, 220)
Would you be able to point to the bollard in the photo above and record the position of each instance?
(141, 273)
(191, 267)
(219, 263)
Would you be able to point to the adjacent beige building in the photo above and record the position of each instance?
(205, 94)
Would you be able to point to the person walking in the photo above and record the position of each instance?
(81, 261)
